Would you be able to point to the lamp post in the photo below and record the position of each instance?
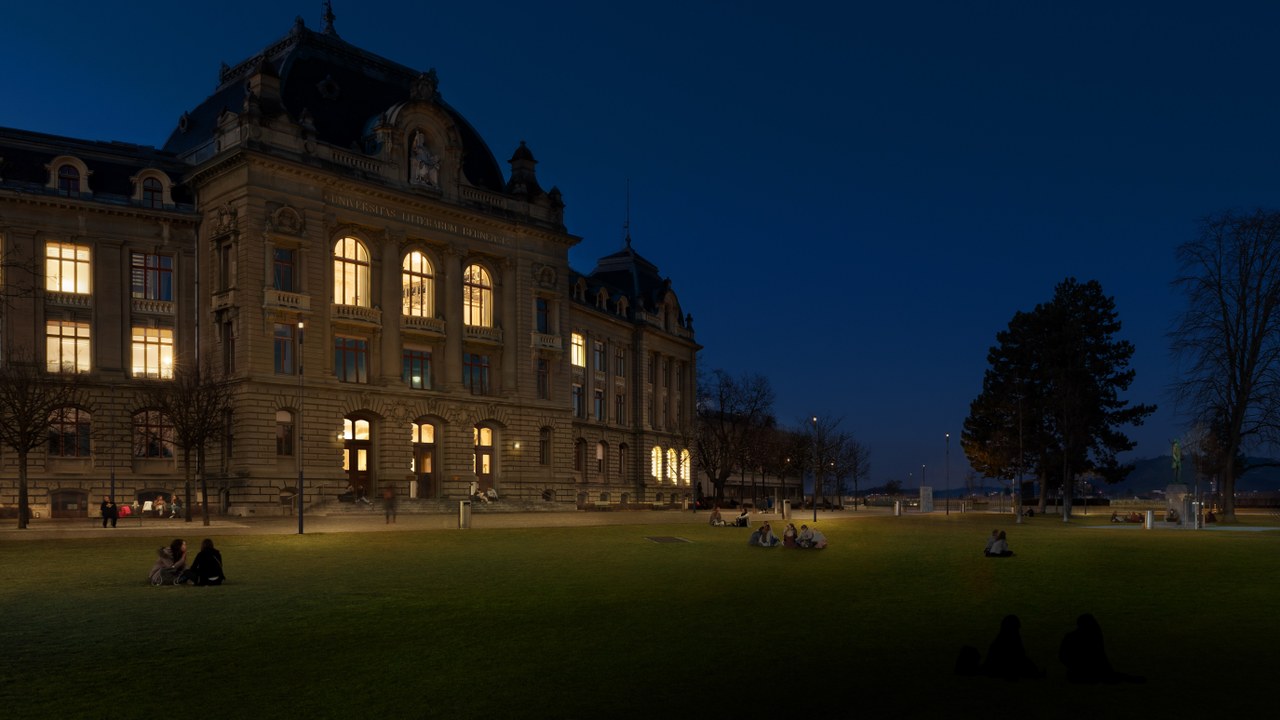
(948, 474)
(815, 468)
(298, 450)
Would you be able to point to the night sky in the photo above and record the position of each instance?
(850, 198)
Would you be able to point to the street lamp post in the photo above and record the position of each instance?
(948, 474)
(815, 468)
(298, 449)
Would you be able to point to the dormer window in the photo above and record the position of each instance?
(68, 180)
(152, 193)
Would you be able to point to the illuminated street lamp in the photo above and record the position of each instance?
(815, 468)
(948, 474)
(298, 451)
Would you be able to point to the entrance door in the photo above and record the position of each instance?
(424, 459)
(356, 450)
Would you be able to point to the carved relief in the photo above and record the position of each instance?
(544, 276)
(288, 220)
(425, 86)
(224, 220)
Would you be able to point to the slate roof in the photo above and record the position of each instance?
(344, 88)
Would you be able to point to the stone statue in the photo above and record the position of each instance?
(424, 167)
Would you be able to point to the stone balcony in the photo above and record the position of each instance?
(544, 341)
(356, 314)
(273, 298)
(64, 299)
(490, 335)
(422, 324)
(141, 306)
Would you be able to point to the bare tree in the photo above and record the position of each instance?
(198, 404)
(732, 412)
(852, 463)
(1227, 340)
(31, 400)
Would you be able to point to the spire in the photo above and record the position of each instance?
(328, 18)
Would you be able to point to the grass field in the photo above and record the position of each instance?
(588, 622)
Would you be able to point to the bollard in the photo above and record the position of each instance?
(464, 514)
(897, 508)
(786, 509)
(1151, 517)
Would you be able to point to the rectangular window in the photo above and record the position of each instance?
(284, 433)
(599, 405)
(666, 373)
(653, 369)
(599, 358)
(69, 433)
(226, 266)
(228, 348)
(66, 346)
(284, 269)
(151, 276)
(351, 359)
(620, 408)
(680, 376)
(542, 315)
(578, 401)
(416, 369)
(152, 352)
(653, 421)
(475, 373)
(620, 362)
(284, 344)
(66, 268)
(544, 447)
(544, 379)
(578, 351)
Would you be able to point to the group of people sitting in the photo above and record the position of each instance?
(485, 496)
(717, 521)
(997, 545)
(1081, 651)
(1133, 517)
(171, 565)
(805, 537)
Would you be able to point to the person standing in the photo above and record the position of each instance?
(389, 503)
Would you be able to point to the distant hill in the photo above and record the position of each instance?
(1157, 473)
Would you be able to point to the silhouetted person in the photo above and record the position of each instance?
(1086, 660)
(1005, 656)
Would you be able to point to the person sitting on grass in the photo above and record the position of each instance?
(1006, 658)
(170, 562)
(716, 520)
(995, 535)
(743, 518)
(789, 535)
(1083, 653)
(1000, 548)
(819, 540)
(206, 569)
(767, 538)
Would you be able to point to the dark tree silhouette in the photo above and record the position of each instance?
(1227, 340)
(31, 400)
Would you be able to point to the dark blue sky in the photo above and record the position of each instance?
(850, 198)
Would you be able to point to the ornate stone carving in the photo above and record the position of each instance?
(224, 220)
(544, 275)
(425, 86)
(287, 220)
(424, 166)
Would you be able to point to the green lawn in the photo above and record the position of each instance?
(598, 621)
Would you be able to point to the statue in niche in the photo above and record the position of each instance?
(424, 167)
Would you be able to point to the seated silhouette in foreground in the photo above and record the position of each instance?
(1083, 653)
(999, 548)
(1006, 657)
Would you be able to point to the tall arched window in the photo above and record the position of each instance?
(350, 272)
(622, 461)
(685, 472)
(423, 437)
(357, 449)
(482, 463)
(601, 451)
(477, 297)
(579, 454)
(418, 288)
(672, 467)
(655, 462)
(284, 433)
(544, 446)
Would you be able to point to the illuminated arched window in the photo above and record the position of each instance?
(355, 429)
(655, 462)
(423, 463)
(350, 272)
(601, 451)
(477, 297)
(685, 472)
(672, 465)
(482, 461)
(417, 285)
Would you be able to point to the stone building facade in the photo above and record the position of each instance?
(337, 242)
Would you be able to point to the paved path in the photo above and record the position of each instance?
(42, 529)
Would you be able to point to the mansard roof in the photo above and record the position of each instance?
(342, 89)
(626, 273)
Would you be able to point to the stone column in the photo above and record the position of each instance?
(510, 326)
(392, 305)
(453, 328)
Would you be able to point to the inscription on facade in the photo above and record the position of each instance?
(392, 213)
